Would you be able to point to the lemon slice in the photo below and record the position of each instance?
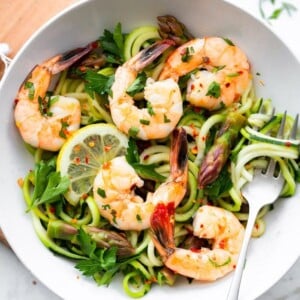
(84, 152)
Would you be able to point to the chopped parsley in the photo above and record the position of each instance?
(106, 206)
(214, 90)
(133, 131)
(144, 122)
(150, 109)
(101, 193)
(63, 130)
(166, 119)
(233, 75)
(31, 90)
(186, 56)
(139, 218)
(217, 68)
(228, 41)
(137, 85)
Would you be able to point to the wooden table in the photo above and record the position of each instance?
(19, 19)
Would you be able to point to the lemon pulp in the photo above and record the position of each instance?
(84, 152)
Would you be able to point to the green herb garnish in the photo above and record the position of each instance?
(214, 90)
(31, 90)
(138, 84)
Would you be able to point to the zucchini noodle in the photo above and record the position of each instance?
(61, 226)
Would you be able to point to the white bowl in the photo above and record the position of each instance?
(269, 256)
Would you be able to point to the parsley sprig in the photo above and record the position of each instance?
(277, 10)
(49, 185)
(112, 44)
(102, 264)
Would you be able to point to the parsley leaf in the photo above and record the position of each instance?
(113, 44)
(49, 185)
(98, 83)
(137, 85)
(102, 264)
(214, 90)
(221, 185)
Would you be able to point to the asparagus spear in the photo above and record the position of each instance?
(218, 154)
(104, 238)
(171, 28)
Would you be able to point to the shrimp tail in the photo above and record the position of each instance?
(149, 54)
(171, 28)
(162, 229)
(218, 154)
(179, 158)
(68, 58)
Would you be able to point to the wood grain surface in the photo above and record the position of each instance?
(19, 19)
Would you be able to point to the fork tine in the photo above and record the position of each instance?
(272, 164)
(293, 134)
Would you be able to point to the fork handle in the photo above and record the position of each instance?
(236, 281)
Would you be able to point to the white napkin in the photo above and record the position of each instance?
(4, 51)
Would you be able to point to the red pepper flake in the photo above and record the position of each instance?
(107, 148)
(227, 84)
(77, 148)
(84, 196)
(194, 150)
(204, 138)
(52, 209)
(95, 45)
(146, 156)
(194, 129)
(205, 59)
(77, 160)
(192, 86)
(82, 69)
(197, 109)
(222, 244)
(195, 250)
(20, 182)
(234, 266)
(106, 165)
(87, 160)
(16, 101)
(240, 72)
(288, 144)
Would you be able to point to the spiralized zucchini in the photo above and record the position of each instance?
(58, 225)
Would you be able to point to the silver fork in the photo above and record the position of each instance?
(262, 190)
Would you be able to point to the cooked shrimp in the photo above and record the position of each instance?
(164, 100)
(220, 226)
(114, 188)
(221, 72)
(45, 122)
